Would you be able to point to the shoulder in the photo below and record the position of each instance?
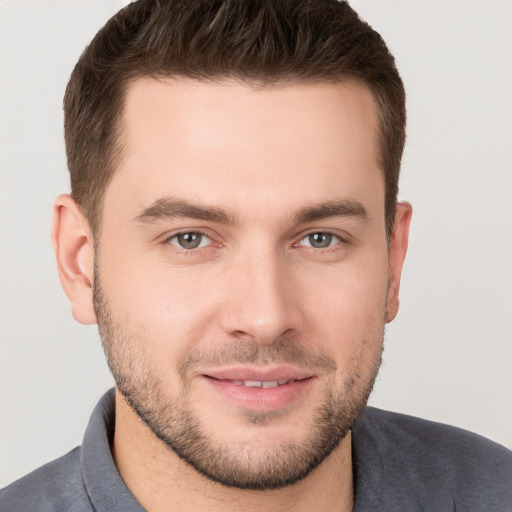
(436, 461)
(56, 486)
(452, 445)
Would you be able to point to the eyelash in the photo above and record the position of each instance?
(329, 248)
(183, 250)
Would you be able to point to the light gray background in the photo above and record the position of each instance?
(448, 355)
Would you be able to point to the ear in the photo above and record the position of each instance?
(397, 250)
(74, 249)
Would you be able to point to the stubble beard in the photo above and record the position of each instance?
(177, 424)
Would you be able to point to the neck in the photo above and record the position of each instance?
(161, 481)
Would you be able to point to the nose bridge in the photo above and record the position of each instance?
(260, 303)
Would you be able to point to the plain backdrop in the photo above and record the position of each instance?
(448, 356)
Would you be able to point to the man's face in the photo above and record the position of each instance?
(242, 271)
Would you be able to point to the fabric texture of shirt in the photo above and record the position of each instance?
(400, 464)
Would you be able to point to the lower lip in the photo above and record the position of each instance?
(260, 399)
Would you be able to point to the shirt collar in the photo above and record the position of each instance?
(103, 483)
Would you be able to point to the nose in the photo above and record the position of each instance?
(261, 301)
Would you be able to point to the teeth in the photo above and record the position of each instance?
(253, 383)
(260, 384)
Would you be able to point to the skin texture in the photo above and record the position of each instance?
(256, 177)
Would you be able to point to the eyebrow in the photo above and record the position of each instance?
(168, 209)
(343, 208)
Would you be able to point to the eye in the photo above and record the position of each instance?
(320, 240)
(190, 240)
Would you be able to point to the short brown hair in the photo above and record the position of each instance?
(256, 41)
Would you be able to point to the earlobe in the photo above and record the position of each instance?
(397, 251)
(74, 249)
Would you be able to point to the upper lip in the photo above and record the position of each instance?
(254, 373)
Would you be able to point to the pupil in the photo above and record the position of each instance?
(320, 240)
(189, 240)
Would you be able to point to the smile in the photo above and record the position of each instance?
(279, 388)
(262, 384)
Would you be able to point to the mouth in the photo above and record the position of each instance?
(241, 375)
(259, 390)
(263, 384)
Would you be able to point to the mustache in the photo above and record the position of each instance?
(283, 351)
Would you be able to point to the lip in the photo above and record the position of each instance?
(225, 383)
(271, 373)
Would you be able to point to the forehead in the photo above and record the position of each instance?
(238, 144)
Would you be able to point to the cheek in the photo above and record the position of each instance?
(349, 313)
(167, 308)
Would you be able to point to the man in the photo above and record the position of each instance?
(233, 230)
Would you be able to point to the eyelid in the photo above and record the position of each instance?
(203, 238)
(342, 237)
(166, 240)
(334, 238)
